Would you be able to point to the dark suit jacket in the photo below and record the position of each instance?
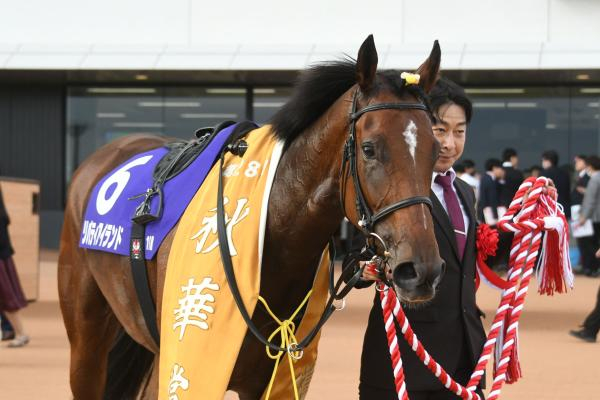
(512, 180)
(489, 196)
(449, 327)
(563, 186)
(576, 197)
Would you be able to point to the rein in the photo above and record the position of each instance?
(368, 220)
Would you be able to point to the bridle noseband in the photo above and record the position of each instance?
(368, 219)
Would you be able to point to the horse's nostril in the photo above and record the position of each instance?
(404, 272)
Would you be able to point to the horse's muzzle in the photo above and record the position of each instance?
(418, 281)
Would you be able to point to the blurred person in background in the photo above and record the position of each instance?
(470, 175)
(513, 177)
(534, 171)
(588, 262)
(12, 298)
(590, 207)
(489, 192)
(591, 325)
(8, 332)
(560, 178)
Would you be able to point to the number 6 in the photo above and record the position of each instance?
(120, 178)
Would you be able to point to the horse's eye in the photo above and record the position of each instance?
(368, 150)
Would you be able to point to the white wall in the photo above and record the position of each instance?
(242, 34)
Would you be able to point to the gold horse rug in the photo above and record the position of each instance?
(201, 328)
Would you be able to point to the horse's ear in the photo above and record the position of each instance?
(366, 64)
(429, 70)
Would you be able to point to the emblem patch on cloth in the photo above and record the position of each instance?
(136, 249)
(107, 221)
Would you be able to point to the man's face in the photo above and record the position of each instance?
(579, 164)
(546, 163)
(450, 130)
(498, 172)
(514, 160)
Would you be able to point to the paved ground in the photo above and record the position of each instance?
(555, 366)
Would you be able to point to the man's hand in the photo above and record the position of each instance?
(598, 253)
(370, 272)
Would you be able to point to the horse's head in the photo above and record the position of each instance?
(394, 153)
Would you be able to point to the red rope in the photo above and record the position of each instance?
(527, 221)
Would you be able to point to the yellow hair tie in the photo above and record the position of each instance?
(410, 78)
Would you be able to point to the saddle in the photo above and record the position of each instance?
(181, 154)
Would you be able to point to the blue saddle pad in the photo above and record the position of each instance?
(107, 222)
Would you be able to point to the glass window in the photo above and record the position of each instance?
(530, 120)
(585, 121)
(267, 101)
(98, 115)
(188, 109)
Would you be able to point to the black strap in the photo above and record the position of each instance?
(388, 106)
(401, 204)
(337, 294)
(139, 271)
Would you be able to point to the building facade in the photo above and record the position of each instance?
(75, 75)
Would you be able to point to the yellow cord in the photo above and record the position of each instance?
(286, 329)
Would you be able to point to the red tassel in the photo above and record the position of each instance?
(555, 265)
(513, 372)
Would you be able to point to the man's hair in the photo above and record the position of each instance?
(491, 163)
(551, 156)
(468, 163)
(459, 168)
(594, 162)
(582, 157)
(508, 153)
(446, 92)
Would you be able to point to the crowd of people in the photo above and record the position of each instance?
(579, 195)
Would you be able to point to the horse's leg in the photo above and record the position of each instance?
(91, 325)
(150, 390)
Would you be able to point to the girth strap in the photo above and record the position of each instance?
(137, 256)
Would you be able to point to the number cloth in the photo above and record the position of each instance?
(107, 222)
(201, 328)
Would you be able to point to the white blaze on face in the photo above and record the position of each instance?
(410, 136)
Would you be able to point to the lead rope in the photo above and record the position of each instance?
(528, 222)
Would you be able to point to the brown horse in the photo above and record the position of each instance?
(395, 153)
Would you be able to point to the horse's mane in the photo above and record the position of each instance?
(316, 89)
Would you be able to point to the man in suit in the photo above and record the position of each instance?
(560, 178)
(590, 209)
(589, 263)
(513, 177)
(489, 192)
(449, 326)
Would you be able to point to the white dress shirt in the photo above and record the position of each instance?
(439, 192)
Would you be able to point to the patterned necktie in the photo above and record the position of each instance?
(454, 212)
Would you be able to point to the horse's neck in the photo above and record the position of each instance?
(304, 209)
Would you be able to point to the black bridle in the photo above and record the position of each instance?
(366, 222)
(366, 218)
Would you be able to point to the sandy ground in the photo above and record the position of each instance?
(555, 365)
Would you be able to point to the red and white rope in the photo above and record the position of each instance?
(527, 222)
